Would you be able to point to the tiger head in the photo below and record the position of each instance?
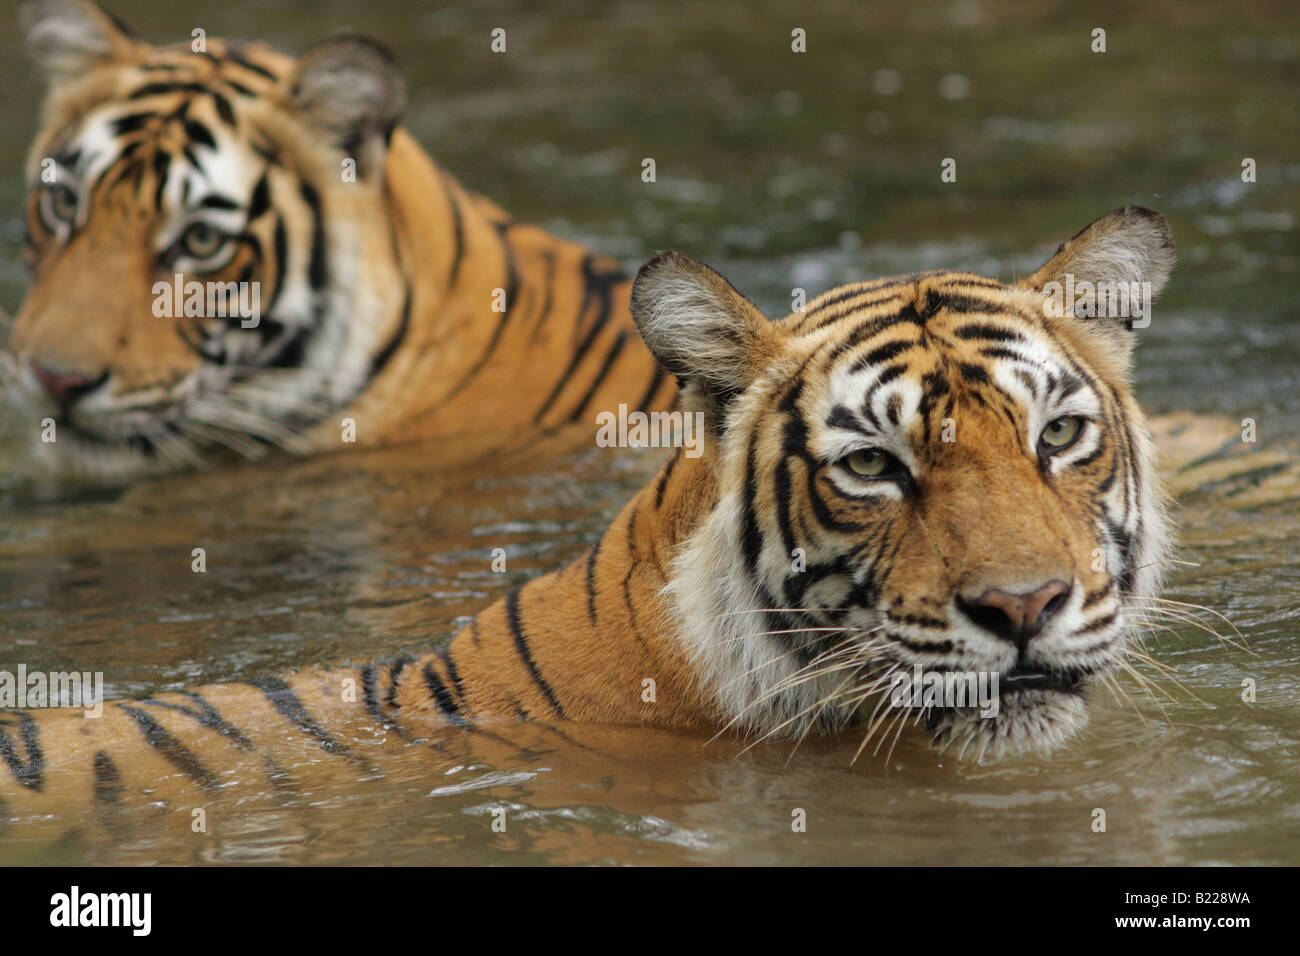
(938, 474)
(210, 237)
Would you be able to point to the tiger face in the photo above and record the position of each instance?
(210, 240)
(927, 475)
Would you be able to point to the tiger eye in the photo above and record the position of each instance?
(202, 241)
(1061, 432)
(868, 463)
(63, 203)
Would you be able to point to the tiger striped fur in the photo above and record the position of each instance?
(830, 535)
(389, 295)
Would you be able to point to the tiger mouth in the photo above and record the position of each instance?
(1025, 678)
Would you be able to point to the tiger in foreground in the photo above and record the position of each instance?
(338, 272)
(1024, 542)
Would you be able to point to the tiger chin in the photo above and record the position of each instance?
(934, 474)
(235, 251)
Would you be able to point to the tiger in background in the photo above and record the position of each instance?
(931, 471)
(386, 293)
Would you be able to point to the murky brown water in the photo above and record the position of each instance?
(783, 173)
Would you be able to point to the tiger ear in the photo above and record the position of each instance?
(350, 88)
(1124, 252)
(699, 327)
(68, 38)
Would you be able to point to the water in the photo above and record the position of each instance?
(782, 171)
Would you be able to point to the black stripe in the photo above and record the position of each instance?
(199, 133)
(394, 675)
(880, 354)
(369, 693)
(893, 408)
(444, 655)
(591, 581)
(921, 647)
(132, 123)
(251, 66)
(1105, 621)
(458, 232)
(369, 676)
(158, 88)
(521, 644)
(883, 289)
(598, 282)
(31, 772)
(286, 702)
(390, 347)
(193, 158)
(549, 285)
(751, 537)
(512, 284)
(281, 260)
(870, 328)
(664, 478)
(260, 201)
(655, 382)
(995, 351)
(208, 716)
(841, 417)
(441, 696)
(1092, 456)
(318, 270)
(171, 749)
(601, 374)
(223, 108)
(213, 201)
(108, 781)
(982, 330)
(161, 163)
(1095, 597)
(583, 348)
(935, 301)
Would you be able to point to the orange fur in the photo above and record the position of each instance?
(689, 613)
(391, 296)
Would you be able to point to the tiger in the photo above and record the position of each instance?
(234, 252)
(934, 472)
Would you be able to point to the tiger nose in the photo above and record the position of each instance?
(65, 387)
(1017, 617)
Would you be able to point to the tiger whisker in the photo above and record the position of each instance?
(222, 436)
(873, 720)
(1175, 614)
(811, 671)
(1109, 681)
(847, 629)
(1147, 685)
(815, 669)
(767, 610)
(776, 730)
(1167, 671)
(1162, 601)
